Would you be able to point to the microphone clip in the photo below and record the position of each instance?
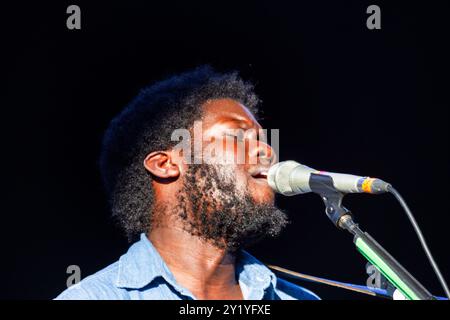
(323, 186)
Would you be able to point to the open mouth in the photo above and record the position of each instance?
(260, 175)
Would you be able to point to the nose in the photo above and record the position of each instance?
(261, 153)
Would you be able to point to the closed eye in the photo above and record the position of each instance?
(238, 137)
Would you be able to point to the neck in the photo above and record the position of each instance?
(207, 271)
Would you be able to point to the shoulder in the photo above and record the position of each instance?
(99, 286)
(289, 291)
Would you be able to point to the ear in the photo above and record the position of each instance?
(159, 163)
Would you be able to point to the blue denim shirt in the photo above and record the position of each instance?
(141, 274)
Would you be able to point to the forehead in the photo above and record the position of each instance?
(224, 110)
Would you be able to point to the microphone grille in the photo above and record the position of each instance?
(279, 175)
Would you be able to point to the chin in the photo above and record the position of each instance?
(263, 197)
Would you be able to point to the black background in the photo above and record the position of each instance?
(345, 98)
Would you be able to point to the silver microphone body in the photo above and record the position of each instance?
(290, 178)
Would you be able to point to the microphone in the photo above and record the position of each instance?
(290, 178)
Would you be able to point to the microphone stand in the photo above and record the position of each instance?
(394, 272)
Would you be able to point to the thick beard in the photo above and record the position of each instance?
(220, 214)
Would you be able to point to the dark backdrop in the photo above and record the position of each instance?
(345, 99)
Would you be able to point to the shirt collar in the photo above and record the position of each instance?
(253, 273)
(142, 264)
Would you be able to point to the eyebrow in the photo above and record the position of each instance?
(243, 121)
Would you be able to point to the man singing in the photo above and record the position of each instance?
(190, 218)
